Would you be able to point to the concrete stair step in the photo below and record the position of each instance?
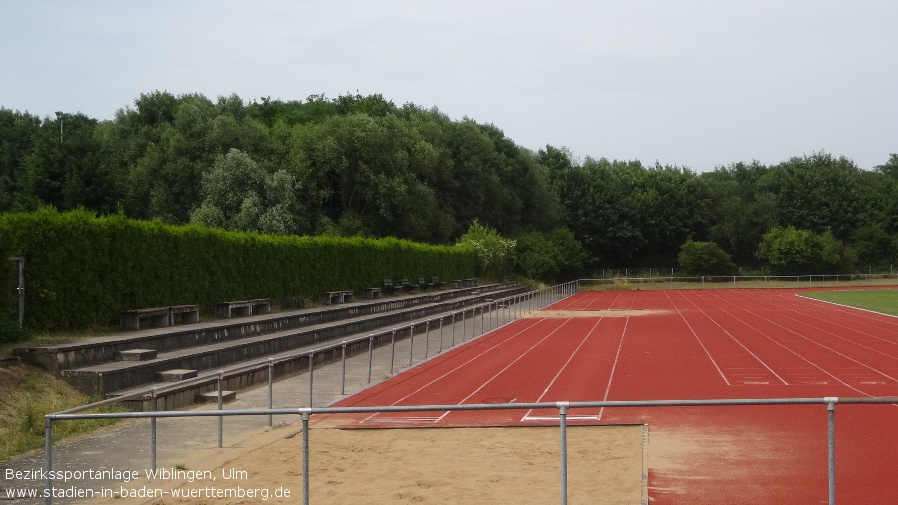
(175, 375)
(212, 397)
(135, 355)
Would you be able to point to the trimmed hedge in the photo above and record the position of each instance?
(82, 270)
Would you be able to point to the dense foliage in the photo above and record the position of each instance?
(705, 258)
(83, 270)
(361, 165)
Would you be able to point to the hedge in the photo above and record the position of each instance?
(82, 270)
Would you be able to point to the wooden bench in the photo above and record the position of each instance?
(469, 283)
(389, 287)
(335, 297)
(373, 293)
(423, 284)
(456, 284)
(160, 317)
(435, 282)
(243, 308)
(406, 285)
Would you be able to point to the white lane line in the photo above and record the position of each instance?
(566, 363)
(755, 356)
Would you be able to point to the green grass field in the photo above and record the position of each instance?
(879, 300)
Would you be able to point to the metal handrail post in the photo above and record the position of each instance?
(392, 351)
(270, 391)
(427, 339)
(305, 458)
(370, 356)
(831, 435)
(48, 457)
(411, 343)
(311, 379)
(562, 421)
(343, 369)
(153, 432)
(220, 418)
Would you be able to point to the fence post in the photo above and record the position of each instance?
(441, 334)
(48, 456)
(562, 421)
(392, 351)
(220, 418)
(270, 391)
(426, 339)
(153, 433)
(370, 356)
(305, 458)
(463, 325)
(343, 369)
(411, 343)
(831, 435)
(311, 382)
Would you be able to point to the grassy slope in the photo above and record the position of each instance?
(879, 300)
(27, 394)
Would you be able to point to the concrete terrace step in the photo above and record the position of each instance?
(121, 375)
(239, 376)
(135, 355)
(212, 396)
(88, 351)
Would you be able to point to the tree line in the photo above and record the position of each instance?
(362, 165)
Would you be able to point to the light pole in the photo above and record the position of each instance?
(59, 117)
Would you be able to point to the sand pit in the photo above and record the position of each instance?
(436, 466)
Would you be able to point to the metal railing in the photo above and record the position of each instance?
(761, 280)
(562, 407)
(489, 315)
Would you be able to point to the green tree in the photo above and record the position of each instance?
(17, 134)
(705, 258)
(789, 251)
(816, 193)
(238, 195)
(495, 254)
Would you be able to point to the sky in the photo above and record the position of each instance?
(696, 84)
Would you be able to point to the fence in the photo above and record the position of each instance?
(442, 330)
(562, 407)
(490, 316)
(658, 277)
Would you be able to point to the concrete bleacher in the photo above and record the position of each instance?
(122, 364)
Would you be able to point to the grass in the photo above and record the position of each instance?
(27, 395)
(878, 300)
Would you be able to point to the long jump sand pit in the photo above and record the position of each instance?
(595, 313)
(518, 465)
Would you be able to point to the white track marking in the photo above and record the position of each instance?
(620, 345)
(828, 348)
(755, 356)
(558, 374)
(468, 362)
(799, 356)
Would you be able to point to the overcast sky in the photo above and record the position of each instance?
(696, 84)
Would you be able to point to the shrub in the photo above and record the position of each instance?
(705, 258)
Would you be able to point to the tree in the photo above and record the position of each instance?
(705, 258)
(789, 251)
(239, 196)
(495, 254)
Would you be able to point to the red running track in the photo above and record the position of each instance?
(689, 344)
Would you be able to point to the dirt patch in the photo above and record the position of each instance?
(436, 466)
